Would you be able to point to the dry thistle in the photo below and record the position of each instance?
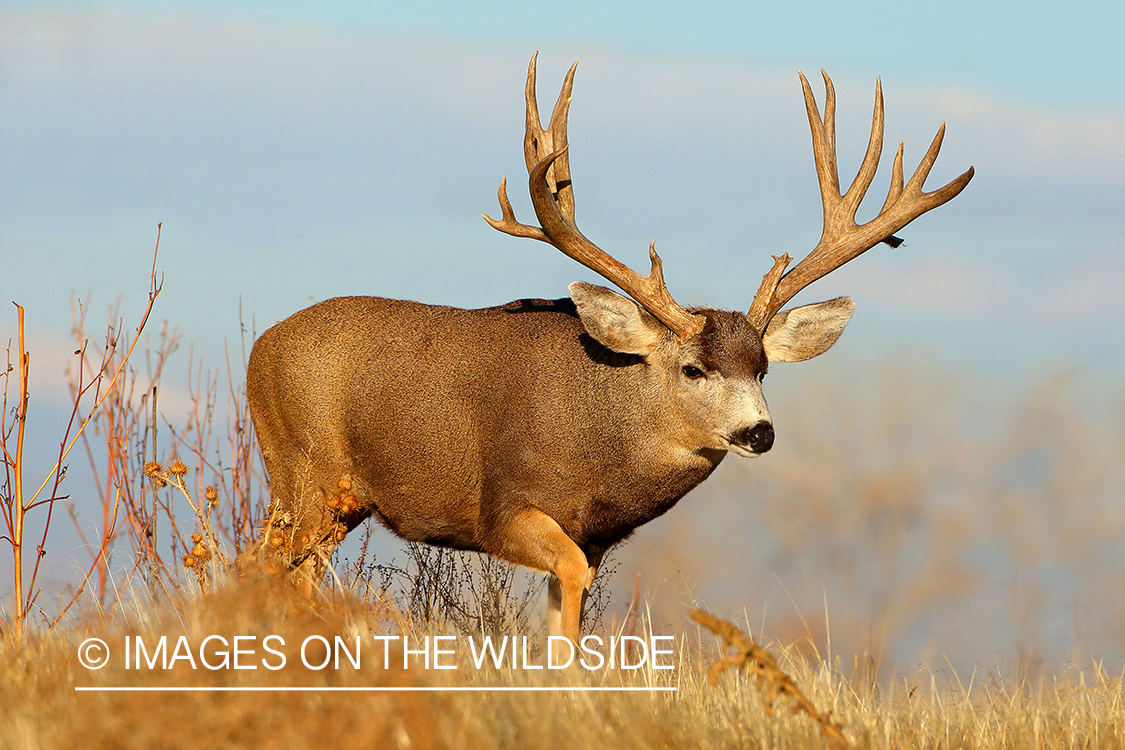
(189, 561)
(212, 495)
(155, 472)
(348, 503)
(759, 662)
(344, 484)
(177, 468)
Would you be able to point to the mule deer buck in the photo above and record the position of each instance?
(543, 431)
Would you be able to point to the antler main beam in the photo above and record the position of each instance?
(552, 196)
(842, 238)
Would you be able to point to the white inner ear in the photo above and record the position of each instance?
(804, 332)
(616, 322)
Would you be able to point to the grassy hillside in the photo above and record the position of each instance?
(346, 705)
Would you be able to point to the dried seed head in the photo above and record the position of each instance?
(189, 561)
(177, 468)
(200, 551)
(197, 538)
(332, 501)
(154, 471)
(212, 496)
(341, 532)
(344, 484)
(348, 503)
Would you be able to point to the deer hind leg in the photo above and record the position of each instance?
(535, 540)
(593, 560)
(310, 513)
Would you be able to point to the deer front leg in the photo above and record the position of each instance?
(554, 605)
(535, 540)
(554, 593)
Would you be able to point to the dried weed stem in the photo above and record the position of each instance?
(760, 663)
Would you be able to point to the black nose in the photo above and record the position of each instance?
(758, 438)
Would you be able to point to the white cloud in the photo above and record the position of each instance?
(731, 106)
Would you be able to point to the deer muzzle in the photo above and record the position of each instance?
(755, 439)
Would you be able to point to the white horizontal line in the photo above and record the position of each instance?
(419, 689)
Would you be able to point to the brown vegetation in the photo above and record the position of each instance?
(349, 706)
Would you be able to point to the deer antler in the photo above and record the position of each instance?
(552, 196)
(843, 239)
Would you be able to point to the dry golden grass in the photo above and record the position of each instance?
(43, 709)
(157, 568)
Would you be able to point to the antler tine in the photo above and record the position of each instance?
(866, 174)
(508, 224)
(534, 134)
(549, 182)
(538, 143)
(826, 158)
(842, 238)
(895, 189)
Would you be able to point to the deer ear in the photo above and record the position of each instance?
(802, 333)
(616, 322)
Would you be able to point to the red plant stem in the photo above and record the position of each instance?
(18, 508)
(154, 291)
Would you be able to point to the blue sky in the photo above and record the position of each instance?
(298, 151)
(264, 134)
(1050, 52)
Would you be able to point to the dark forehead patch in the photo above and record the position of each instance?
(729, 344)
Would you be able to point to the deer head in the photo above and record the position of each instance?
(646, 325)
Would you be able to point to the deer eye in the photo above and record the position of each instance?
(693, 373)
(761, 377)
